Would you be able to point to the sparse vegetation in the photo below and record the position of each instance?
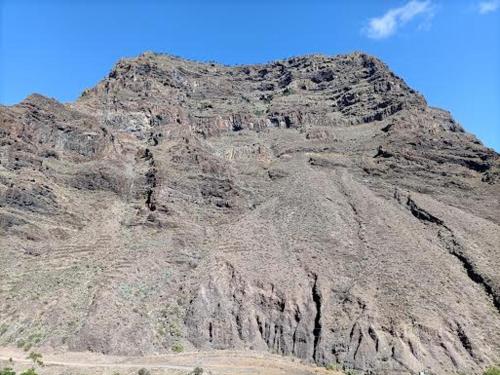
(233, 211)
(36, 358)
(169, 322)
(174, 329)
(177, 348)
(197, 371)
(3, 329)
(35, 338)
(131, 290)
(10, 371)
(332, 366)
(167, 275)
(144, 371)
(493, 370)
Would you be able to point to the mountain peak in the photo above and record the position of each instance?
(313, 206)
(354, 88)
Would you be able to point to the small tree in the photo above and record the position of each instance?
(36, 358)
(7, 371)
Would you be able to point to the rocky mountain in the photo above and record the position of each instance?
(314, 207)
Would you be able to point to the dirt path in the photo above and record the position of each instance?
(216, 362)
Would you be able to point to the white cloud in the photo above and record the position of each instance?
(388, 24)
(485, 7)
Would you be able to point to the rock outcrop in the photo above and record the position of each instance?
(314, 207)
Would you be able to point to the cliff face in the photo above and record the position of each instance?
(314, 206)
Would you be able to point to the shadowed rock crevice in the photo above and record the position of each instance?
(151, 182)
(422, 214)
(264, 317)
(454, 247)
(316, 296)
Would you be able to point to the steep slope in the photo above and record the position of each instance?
(314, 206)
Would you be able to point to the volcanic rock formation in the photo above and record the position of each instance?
(314, 207)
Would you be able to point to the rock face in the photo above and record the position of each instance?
(314, 207)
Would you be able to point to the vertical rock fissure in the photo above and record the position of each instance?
(358, 344)
(465, 341)
(316, 296)
(151, 181)
(297, 322)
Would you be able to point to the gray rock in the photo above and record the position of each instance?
(314, 207)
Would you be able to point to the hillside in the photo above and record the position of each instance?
(315, 207)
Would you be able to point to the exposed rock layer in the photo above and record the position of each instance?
(314, 206)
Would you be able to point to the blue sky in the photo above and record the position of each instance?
(447, 50)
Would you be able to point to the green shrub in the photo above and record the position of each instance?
(30, 371)
(493, 370)
(143, 371)
(3, 329)
(35, 338)
(7, 371)
(197, 371)
(177, 348)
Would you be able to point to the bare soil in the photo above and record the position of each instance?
(214, 362)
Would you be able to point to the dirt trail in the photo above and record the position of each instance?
(217, 362)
